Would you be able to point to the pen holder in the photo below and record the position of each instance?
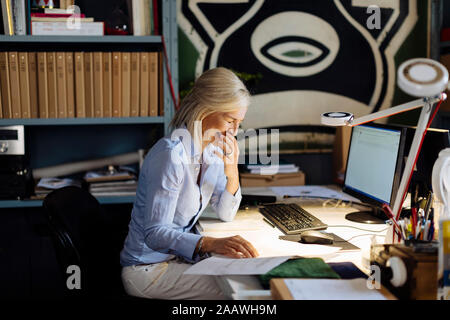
(416, 226)
(407, 271)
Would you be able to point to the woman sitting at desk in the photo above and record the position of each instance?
(181, 174)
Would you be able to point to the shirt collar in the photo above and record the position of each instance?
(186, 139)
(192, 150)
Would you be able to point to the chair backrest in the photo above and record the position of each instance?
(76, 220)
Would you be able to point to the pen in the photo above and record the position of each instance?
(428, 205)
(431, 232)
(268, 222)
(413, 221)
(426, 231)
(417, 231)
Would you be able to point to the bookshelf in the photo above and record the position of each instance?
(4, 39)
(89, 137)
(82, 121)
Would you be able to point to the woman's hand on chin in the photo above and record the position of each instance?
(230, 158)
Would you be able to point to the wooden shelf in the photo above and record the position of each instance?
(38, 203)
(81, 121)
(80, 39)
(131, 133)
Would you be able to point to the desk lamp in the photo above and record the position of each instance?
(419, 77)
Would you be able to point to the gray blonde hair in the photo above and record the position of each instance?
(216, 90)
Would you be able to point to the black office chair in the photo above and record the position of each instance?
(83, 238)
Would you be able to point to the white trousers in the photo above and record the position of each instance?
(166, 280)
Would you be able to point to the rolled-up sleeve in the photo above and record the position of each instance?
(223, 202)
(164, 176)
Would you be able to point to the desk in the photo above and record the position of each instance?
(250, 225)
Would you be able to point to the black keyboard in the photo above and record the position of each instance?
(291, 218)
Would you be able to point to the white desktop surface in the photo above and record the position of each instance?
(250, 225)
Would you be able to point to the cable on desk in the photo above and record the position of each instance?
(344, 226)
(359, 235)
(339, 203)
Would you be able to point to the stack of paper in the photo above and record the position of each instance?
(332, 289)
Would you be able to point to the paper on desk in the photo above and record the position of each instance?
(332, 289)
(219, 266)
(312, 192)
(267, 244)
(250, 220)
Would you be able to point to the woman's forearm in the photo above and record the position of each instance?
(232, 185)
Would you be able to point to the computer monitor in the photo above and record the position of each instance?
(374, 169)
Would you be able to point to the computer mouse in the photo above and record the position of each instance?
(315, 237)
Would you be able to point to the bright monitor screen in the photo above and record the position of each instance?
(372, 162)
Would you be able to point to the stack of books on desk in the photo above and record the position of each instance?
(47, 185)
(269, 169)
(270, 175)
(111, 183)
(113, 188)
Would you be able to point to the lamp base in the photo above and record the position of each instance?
(367, 217)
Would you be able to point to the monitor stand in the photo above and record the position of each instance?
(370, 216)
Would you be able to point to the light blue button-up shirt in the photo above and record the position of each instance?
(169, 201)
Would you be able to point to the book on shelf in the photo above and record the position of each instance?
(153, 84)
(70, 83)
(5, 85)
(141, 17)
(60, 19)
(107, 84)
(34, 15)
(32, 69)
(134, 84)
(19, 17)
(98, 84)
(15, 14)
(80, 92)
(89, 84)
(7, 15)
(58, 10)
(160, 85)
(24, 79)
(15, 84)
(117, 84)
(39, 28)
(126, 82)
(52, 85)
(42, 84)
(144, 102)
(61, 84)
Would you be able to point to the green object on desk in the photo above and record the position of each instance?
(299, 268)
